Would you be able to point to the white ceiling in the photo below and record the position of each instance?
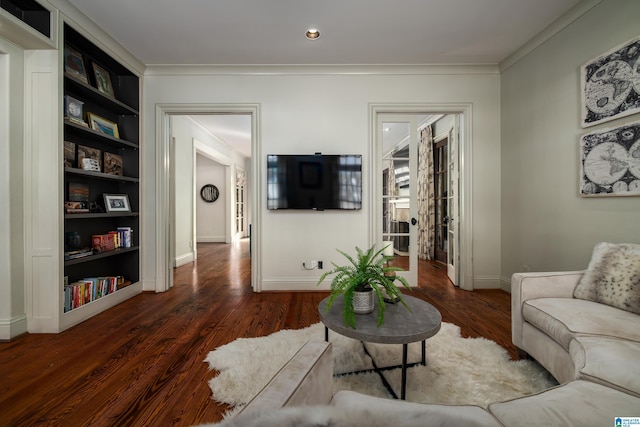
(353, 32)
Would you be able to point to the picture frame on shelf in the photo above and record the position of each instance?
(74, 65)
(78, 192)
(69, 154)
(103, 80)
(85, 152)
(116, 203)
(113, 163)
(103, 125)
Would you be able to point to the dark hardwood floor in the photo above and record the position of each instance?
(141, 363)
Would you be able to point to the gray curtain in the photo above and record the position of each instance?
(426, 189)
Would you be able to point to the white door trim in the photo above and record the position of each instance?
(163, 270)
(465, 231)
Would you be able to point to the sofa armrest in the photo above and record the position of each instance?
(526, 286)
(306, 379)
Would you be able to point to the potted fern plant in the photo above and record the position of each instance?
(367, 273)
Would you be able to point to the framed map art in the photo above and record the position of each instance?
(610, 162)
(611, 84)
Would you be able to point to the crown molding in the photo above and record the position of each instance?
(549, 32)
(267, 70)
(80, 22)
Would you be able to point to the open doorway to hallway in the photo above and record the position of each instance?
(210, 162)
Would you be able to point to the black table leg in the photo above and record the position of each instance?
(424, 352)
(326, 334)
(403, 389)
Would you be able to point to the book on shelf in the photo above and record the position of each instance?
(80, 253)
(89, 289)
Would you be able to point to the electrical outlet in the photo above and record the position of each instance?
(319, 265)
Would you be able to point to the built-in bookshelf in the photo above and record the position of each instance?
(101, 179)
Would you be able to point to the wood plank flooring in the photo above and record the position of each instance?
(141, 363)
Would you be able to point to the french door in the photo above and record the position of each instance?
(399, 190)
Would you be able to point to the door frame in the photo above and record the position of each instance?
(465, 230)
(163, 261)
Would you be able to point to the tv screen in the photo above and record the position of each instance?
(314, 181)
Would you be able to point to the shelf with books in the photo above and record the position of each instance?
(101, 170)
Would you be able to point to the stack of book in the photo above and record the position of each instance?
(120, 238)
(84, 291)
(80, 253)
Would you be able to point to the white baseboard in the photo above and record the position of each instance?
(505, 284)
(11, 328)
(211, 239)
(486, 283)
(292, 284)
(184, 259)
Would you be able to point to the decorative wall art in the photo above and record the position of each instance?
(610, 162)
(611, 84)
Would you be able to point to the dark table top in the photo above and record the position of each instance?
(400, 325)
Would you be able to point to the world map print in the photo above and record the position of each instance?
(611, 84)
(610, 162)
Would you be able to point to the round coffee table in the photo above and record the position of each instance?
(400, 326)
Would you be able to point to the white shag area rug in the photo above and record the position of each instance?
(459, 370)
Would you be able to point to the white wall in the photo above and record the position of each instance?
(546, 225)
(12, 288)
(211, 218)
(304, 111)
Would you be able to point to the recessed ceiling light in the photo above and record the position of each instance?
(313, 34)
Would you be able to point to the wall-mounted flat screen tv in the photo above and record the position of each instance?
(316, 181)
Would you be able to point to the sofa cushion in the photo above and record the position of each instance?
(564, 318)
(578, 403)
(428, 414)
(613, 277)
(608, 361)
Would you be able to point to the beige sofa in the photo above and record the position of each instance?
(575, 338)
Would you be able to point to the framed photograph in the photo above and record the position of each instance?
(609, 83)
(74, 65)
(112, 163)
(103, 80)
(69, 154)
(85, 152)
(610, 162)
(117, 203)
(103, 125)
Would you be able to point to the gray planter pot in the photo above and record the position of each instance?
(363, 302)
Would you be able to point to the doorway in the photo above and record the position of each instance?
(396, 168)
(165, 195)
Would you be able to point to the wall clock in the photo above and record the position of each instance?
(209, 193)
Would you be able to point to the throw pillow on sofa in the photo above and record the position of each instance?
(613, 277)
